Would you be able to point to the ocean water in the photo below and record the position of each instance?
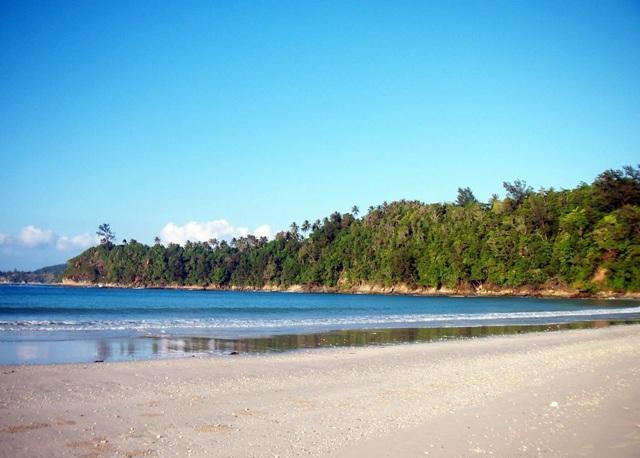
(49, 324)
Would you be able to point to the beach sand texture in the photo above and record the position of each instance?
(569, 393)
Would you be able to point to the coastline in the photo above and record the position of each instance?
(570, 393)
(116, 348)
(398, 290)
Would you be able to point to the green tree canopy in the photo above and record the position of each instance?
(587, 238)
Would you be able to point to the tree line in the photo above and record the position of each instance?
(586, 238)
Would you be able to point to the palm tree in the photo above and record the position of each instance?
(305, 226)
(294, 229)
(355, 210)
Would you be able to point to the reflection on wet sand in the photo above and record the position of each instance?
(153, 347)
(352, 338)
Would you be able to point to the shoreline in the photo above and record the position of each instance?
(158, 347)
(98, 348)
(397, 290)
(572, 393)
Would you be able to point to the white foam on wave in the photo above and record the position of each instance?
(365, 320)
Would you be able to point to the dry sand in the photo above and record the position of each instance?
(569, 393)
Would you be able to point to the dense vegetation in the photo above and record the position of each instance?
(51, 274)
(587, 238)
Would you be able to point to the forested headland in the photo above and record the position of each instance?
(585, 239)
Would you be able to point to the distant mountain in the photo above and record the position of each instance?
(49, 274)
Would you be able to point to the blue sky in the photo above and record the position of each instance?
(143, 114)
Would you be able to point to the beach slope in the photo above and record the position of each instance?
(569, 393)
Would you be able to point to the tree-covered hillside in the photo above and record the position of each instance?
(587, 239)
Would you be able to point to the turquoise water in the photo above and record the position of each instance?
(44, 324)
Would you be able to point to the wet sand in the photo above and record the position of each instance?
(568, 393)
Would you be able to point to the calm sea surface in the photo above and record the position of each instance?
(47, 324)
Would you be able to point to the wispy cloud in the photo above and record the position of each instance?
(202, 231)
(32, 247)
(32, 236)
(85, 240)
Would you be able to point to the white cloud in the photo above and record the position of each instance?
(35, 237)
(32, 236)
(263, 231)
(77, 241)
(202, 231)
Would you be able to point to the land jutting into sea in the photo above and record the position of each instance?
(581, 242)
(567, 393)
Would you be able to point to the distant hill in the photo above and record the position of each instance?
(49, 274)
(57, 270)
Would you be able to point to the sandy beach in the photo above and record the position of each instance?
(568, 393)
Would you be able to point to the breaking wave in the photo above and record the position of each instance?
(390, 320)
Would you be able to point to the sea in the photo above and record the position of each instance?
(54, 324)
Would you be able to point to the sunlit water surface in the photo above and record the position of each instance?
(48, 324)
